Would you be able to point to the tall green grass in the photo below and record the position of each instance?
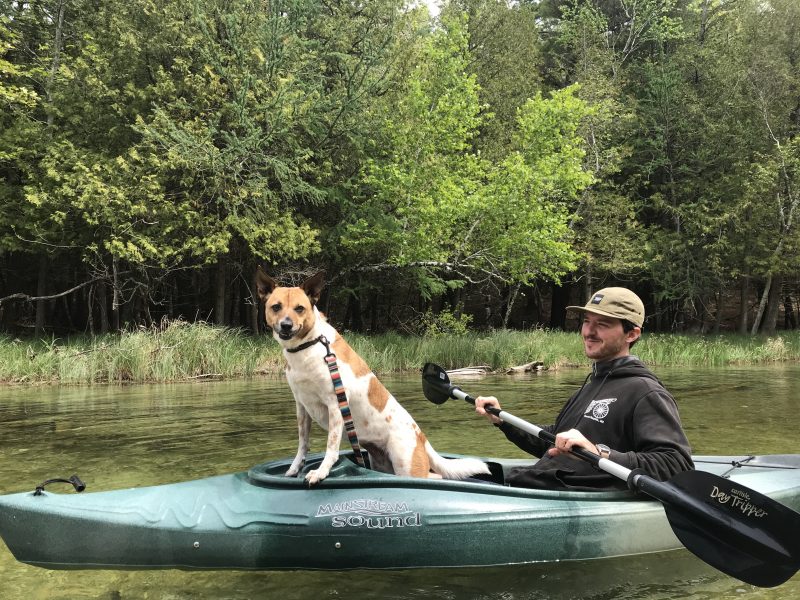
(688, 350)
(174, 351)
(496, 350)
(179, 351)
(500, 350)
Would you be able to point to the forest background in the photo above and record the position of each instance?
(482, 168)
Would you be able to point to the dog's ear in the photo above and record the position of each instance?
(313, 286)
(265, 284)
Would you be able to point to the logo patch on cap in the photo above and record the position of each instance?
(597, 298)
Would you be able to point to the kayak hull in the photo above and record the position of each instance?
(354, 519)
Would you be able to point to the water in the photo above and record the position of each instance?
(116, 437)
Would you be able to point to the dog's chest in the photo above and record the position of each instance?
(309, 375)
(312, 386)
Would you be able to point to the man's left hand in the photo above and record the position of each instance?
(567, 440)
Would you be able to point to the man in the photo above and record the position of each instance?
(621, 412)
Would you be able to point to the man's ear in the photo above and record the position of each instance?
(313, 286)
(265, 284)
(633, 335)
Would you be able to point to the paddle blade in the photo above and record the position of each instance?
(739, 531)
(435, 383)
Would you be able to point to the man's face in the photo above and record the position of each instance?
(604, 338)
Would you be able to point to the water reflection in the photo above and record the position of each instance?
(145, 435)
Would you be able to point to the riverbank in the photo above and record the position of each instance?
(179, 351)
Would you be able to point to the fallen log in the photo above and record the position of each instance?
(536, 365)
(470, 371)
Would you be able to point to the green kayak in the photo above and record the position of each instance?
(356, 518)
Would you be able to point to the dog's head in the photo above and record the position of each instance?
(289, 311)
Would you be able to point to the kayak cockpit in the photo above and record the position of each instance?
(346, 473)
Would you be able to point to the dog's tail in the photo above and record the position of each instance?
(454, 468)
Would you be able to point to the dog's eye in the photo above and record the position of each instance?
(300, 309)
(275, 308)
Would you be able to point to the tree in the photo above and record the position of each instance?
(503, 42)
(405, 213)
(605, 219)
(432, 206)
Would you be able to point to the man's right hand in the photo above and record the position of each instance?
(481, 402)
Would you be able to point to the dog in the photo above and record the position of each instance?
(388, 433)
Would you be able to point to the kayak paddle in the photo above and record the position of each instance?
(739, 531)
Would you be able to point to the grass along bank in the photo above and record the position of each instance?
(174, 351)
(179, 351)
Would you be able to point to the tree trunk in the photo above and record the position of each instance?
(773, 306)
(41, 290)
(533, 306)
(116, 319)
(221, 291)
(512, 298)
(373, 310)
(355, 318)
(718, 314)
(102, 301)
(762, 305)
(558, 306)
(90, 310)
(789, 318)
(145, 300)
(255, 305)
(744, 291)
(389, 309)
(68, 312)
(236, 303)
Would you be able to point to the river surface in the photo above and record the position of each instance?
(118, 437)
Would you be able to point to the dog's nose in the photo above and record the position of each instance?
(286, 325)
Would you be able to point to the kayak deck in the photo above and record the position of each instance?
(356, 518)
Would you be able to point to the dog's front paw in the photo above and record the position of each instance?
(294, 468)
(315, 476)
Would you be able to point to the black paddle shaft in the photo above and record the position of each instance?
(437, 388)
(739, 531)
(542, 434)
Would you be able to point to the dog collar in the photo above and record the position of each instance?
(321, 339)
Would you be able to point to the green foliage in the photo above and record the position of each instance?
(445, 323)
(775, 176)
(433, 205)
(525, 203)
(504, 55)
(13, 94)
(230, 135)
(141, 140)
(422, 173)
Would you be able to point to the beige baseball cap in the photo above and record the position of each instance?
(617, 302)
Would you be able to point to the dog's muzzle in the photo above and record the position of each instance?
(285, 329)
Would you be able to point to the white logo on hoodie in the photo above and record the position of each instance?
(598, 409)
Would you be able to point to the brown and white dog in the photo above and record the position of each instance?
(385, 430)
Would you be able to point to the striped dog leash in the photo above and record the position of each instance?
(341, 396)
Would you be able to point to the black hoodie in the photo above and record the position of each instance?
(622, 405)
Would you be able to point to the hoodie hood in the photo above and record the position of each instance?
(625, 366)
